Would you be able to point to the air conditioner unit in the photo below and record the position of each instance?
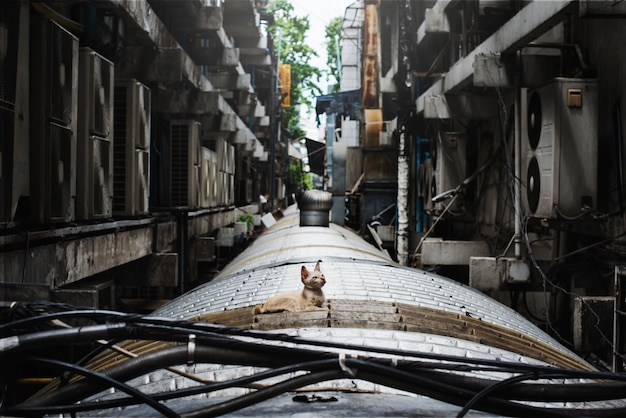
(205, 185)
(99, 175)
(230, 158)
(95, 77)
(560, 148)
(131, 156)
(54, 71)
(450, 167)
(14, 98)
(53, 183)
(184, 159)
(94, 187)
(53, 110)
(213, 180)
(231, 189)
(9, 33)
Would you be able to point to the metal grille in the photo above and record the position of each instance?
(121, 137)
(179, 164)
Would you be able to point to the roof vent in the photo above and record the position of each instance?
(314, 207)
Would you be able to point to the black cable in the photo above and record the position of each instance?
(198, 327)
(264, 394)
(497, 386)
(292, 353)
(90, 313)
(317, 365)
(109, 380)
(208, 336)
(63, 336)
(139, 366)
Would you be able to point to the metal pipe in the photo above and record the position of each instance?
(518, 160)
(403, 201)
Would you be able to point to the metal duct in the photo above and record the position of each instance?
(314, 207)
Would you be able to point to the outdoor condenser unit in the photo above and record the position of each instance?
(94, 140)
(560, 148)
(184, 159)
(53, 110)
(131, 155)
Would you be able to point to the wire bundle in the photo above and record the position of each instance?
(300, 362)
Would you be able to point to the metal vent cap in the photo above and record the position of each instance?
(314, 207)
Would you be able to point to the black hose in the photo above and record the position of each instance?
(253, 354)
(110, 381)
(87, 313)
(63, 336)
(264, 394)
(317, 365)
(170, 356)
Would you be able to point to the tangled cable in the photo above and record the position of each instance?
(524, 389)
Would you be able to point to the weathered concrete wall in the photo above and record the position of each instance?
(65, 262)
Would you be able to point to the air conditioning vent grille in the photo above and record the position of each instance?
(131, 148)
(120, 135)
(180, 163)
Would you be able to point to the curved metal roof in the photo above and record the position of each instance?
(354, 270)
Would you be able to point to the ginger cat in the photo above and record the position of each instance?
(309, 298)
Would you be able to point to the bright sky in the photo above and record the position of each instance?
(320, 13)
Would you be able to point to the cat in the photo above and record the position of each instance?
(307, 299)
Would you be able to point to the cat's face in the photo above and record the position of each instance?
(314, 279)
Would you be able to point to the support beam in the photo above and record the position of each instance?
(153, 34)
(459, 106)
(491, 70)
(68, 261)
(532, 21)
(228, 81)
(214, 57)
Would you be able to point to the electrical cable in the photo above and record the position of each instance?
(180, 393)
(111, 381)
(88, 313)
(63, 336)
(255, 354)
(282, 354)
(264, 394)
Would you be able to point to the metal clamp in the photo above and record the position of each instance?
(191, 349)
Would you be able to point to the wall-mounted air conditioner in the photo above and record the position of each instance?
(53, 183)
(54, 71)
(560, 148)
(449, 168)
(95, 94)
(206, 184)
(184, 163)
(213, 179)
(14, 90)
(94, 185)
(53, 110)
(131, 156)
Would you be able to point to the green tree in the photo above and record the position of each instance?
(333, 51)
(289, 33)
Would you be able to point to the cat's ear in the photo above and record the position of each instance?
(317, 266)
(304, 272)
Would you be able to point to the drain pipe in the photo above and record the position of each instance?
(518, 271)
(402, 240)
(518, 160)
